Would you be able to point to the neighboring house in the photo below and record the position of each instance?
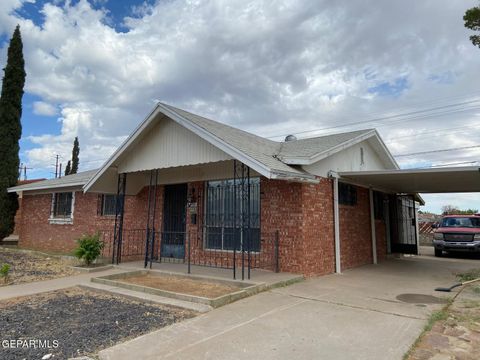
(196, 183)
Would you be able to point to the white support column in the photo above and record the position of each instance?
(336, 223)
(372, 227)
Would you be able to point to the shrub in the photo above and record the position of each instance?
(89, 248)
(4, 270)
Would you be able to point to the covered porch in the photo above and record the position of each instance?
(200, 216)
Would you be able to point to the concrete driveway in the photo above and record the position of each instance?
(355, 315)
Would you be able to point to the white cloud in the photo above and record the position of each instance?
(44, 108)
(268, 67)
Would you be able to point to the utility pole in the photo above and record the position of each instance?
(60, 171)
(56, 165)
(23, 169)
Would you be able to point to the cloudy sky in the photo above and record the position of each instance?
(96, 67)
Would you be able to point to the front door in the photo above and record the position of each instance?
(174, 221)
(403, 225)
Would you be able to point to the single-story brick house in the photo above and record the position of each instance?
(185, 186)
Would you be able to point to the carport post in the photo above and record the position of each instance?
(372, 226)
(336, 222)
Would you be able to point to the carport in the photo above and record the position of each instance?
(402, 187)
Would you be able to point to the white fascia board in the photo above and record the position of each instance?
(290, 160)
(220, 144)
(295, 177)
(46, 187)
(139, 129)
(386, 152)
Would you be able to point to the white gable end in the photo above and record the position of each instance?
(358, 157)
(169, 144)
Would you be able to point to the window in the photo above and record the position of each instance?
(347, 194)
(62, 205)
(378, 205)
(109, 203)
(223, 207)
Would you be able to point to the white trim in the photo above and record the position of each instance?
(46, 187)
(62, 220)
(205, 135)
(309, 160)
(336, 223)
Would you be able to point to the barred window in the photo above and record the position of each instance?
(62, 205)
(347, 194)
(109, 202)
(222, 216)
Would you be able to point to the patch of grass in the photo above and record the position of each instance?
(436, 316)
(476, 289)
(469, 275)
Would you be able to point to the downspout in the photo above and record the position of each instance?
(372, 227)
(336, 222)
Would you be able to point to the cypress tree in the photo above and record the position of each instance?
(75, 153)
(10, 130)
(68, 168)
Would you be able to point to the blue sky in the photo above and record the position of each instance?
(96, 67)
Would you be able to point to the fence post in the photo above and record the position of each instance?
(189, 249)
(277, 260)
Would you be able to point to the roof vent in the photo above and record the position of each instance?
(290, 138)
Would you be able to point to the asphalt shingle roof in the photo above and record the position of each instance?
(268, 151)
(78, 179)
(265, 151)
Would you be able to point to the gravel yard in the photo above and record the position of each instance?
(82, 321)
(28, 266)
(208, 289)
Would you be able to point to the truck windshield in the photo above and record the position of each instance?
(460, 222)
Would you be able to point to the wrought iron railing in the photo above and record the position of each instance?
(240, 252)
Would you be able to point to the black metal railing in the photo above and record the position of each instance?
(219, 248)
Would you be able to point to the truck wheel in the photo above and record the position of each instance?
(438, 252)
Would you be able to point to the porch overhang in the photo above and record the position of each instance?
(412, 181)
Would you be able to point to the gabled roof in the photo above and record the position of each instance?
(68, 181)
(272, 159)
(311, 150)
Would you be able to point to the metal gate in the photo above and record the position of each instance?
(403, 224)
(174, 221)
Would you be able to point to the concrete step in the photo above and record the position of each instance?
(11, 240)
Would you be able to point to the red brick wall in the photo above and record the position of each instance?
(318, 228)
(37, 233)
(302, 214)
(281, 209)
(355, 237)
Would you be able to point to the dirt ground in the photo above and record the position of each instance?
(457, 334)
(201, 288)
(81, 321)
(26, 266)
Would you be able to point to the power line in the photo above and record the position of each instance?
(438, 151)
(443, 165)
(446, 109)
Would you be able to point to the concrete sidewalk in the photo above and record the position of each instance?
(36, 287)
(352, 316)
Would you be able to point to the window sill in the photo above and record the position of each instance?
(60, 221)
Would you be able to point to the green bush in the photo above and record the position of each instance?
(89, 248)
(4, 270)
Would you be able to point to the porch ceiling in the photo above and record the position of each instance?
(410, 181)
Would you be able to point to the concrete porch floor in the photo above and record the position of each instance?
(270, 278)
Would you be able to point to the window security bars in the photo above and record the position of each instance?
(62, 205)
(109, 202)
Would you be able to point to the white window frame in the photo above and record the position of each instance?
(61, 220)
